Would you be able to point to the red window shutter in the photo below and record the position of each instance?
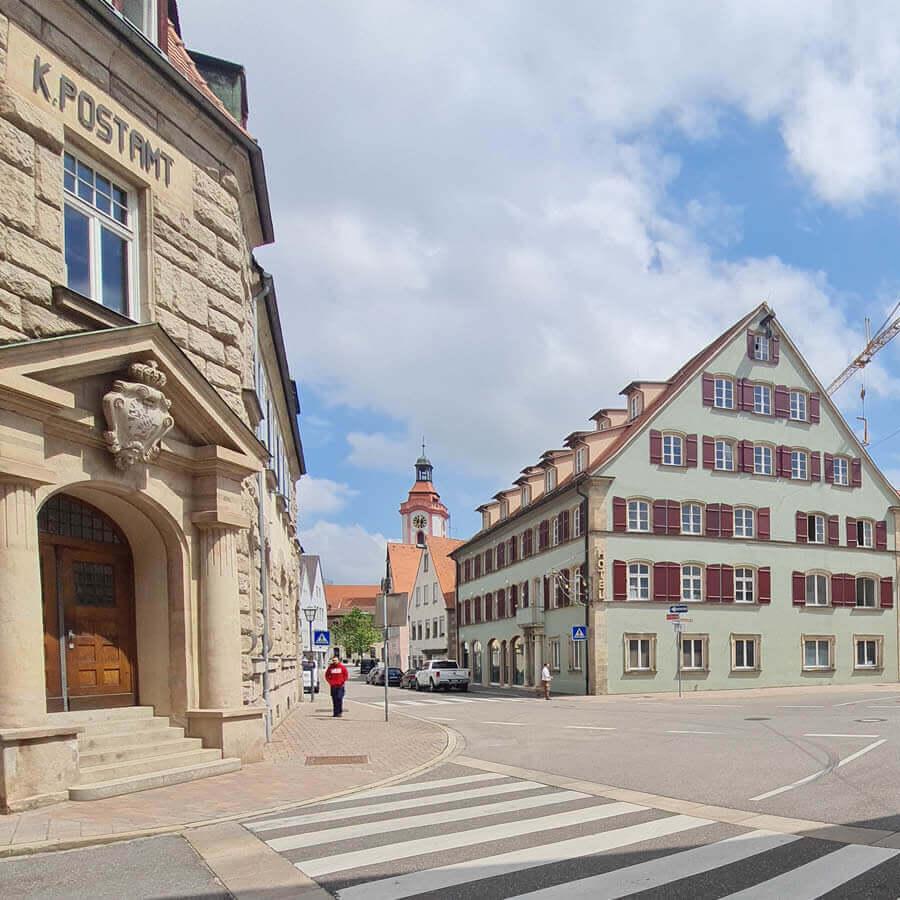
(764, 585)
(620, 512)
(690, 451)
(565, 524)
(478, 566)
(798, 589)
(674, 582)
(501, 555)
(887, 593)
(660, 581)
(774, 349)
(851, 532)
(750, 352)
(784, 462)
(467, 570)
(544, 535)
(726, 526)
(814, 412)
(834, 531)
(728, 584)
(829, 468)
(747, 393)
(660, 517)
(713, 520)
(782, 401)
(800, 521)
(547, 595)
(674, 516)
(620, 580)
(763, 523)
(501, 604)
(709, 387)
(745, 454)
(881, 535)
(815, 466)
(655, 447)
(513, 600)
(856, 472)
(837, 590)
(488, 607)
(709, 452)
(714, 584)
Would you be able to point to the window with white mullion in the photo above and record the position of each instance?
(724, 456)
(762, 460)
(798, 406)
(743, 522)
(799, 465)
(816, 589)
(692, 655)
(745, 655)
(691, 583)
(723, 393)
(817, 653)
(691, 518)
(867, 655)
(743, 585)
(638, 581)
(762, 399)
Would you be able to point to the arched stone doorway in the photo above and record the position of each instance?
(87, 582)
(504, 663)
(494, 660)
(517, 651)
(476, 663)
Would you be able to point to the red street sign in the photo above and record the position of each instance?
(672, 617)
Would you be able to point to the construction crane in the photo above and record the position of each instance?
(885, 334)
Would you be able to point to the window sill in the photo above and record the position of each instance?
(825, 670)
(640, 672)
(875, 669)
(754, 671)
(70, 301)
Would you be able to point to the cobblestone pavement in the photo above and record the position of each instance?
(284, 778)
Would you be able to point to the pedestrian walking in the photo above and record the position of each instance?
(546, 678)
(336, 675)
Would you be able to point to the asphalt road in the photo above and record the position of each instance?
(828, 754)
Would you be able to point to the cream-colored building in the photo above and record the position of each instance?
(149, 446)
(734, 490)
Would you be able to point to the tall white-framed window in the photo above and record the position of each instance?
(554, 531)
(553, 645)
(525, 495)
(816, 589)
(867, 651)
(692, 583)
(638, 515)
(866, 590)
(841, 469)
(724, 455)
(672, 450)
(580, 459)
(434, 592)
(640, 652)
(142, 14)
(744, 522)
(504, 509)
(418, 596)
(425, 562)
(762, 460)
(743, 585)
(799, 465)
(634, 405)
(101, 235)
(815, 528)
(638, 581)
(723, 393)
(745, 653)
(577, 524)
(761, 347)
(550, 479)
(865, 533)
(818, 653)
(798, 406)
(762, 399)
(693, 653)
(575, 654)
(691, 518)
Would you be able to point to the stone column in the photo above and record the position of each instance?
(23, 695)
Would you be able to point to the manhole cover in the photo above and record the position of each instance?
(757, 719)
(336, 760)
(871, 720)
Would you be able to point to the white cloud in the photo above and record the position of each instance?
(350, 554)
(378, 451)
(317, 496)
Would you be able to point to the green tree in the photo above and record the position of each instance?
(355, 632)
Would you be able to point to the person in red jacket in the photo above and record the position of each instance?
(336, 675)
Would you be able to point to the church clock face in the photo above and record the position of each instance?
(419, 521)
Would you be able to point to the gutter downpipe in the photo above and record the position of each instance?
(587, 605)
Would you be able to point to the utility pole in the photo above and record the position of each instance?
(385, 590)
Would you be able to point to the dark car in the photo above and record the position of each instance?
(409, 679)
(394, 676)
(366, 666)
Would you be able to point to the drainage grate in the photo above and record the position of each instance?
(757, 718)
(336, 760)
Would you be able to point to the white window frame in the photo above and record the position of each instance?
(96, 218)
(549, 479)
(525, 496)
(580, 459)
(634, 405)
(724, 453)
(742, 513)
(865, 533)
(747, 582)
(150, 24)
(554, 532)
(798, 410)
(877, 642)
(640, 506)
(638, 573)
(819, 531)
(820, 598)
(762, 400)
(799, 465)
(819, 640)
(863, 580)
(743, 640)
(761, 348)
(645, 644)
(577, 526)
(691, 583)
(763, 460)
(504, 509)
(723, 393)
(691, 518)
(575, 655)
(553, 653)
(672, 449)
(418, 596)
(841, 471)
(697, 647)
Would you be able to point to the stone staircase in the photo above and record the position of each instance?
(125, 750)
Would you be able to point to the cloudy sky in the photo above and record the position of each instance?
(490, 217)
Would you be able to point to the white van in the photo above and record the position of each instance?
(310, 675)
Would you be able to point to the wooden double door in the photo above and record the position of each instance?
(88, 600)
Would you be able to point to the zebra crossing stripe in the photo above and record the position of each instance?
(664, 870)
(377, 809)
(820, 876)
(327, 835)
(412, 788)
(469, 871)
(326, 865)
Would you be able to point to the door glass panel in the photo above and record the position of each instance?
(94, 584)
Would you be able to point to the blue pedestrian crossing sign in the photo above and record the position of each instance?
(321, 639)
(579, 633)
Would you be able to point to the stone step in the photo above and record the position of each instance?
(126, 725)
(130, 752)
(89, 717)
(116, 771)
(163, 778)
(90, 743)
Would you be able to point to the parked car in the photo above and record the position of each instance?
(373, 673)
(394, 676)
(366, 666)
(442, 674)
(310, 676)
(409, 679)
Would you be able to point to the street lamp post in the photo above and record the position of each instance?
(386, 588)
(310, 613)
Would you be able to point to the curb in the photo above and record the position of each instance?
(455, 743)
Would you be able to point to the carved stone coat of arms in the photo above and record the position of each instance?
(137, 415)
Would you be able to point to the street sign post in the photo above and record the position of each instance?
(579, 633)
(678, 608)
(321, 638)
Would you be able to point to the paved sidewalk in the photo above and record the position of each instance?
(393, 749)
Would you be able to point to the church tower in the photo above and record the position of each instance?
(422, 514)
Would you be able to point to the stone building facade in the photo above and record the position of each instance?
(149, 446)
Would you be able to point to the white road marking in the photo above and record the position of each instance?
(844, 735)
(515, 724)
(820, 876)
(715, 706)
(412, 788)
(439, 719)
(591, 727)
(895, 707)
(377, 809)
(664, 870)
(802, 781)
(346, 832)
(853, 702)
(401, 886)
(695, 732)
(799, 707)
(405, 849)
